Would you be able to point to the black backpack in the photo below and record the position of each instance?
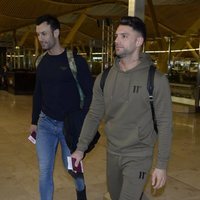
(150, 87)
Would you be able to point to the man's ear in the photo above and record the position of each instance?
(140, 41)
(56, 33)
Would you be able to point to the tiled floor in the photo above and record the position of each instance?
(18, 164)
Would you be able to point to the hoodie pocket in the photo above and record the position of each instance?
(147, 137)
(120, 136)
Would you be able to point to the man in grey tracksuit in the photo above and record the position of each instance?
(124, 104)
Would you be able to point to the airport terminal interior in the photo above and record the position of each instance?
(173, 42)
(19, 168)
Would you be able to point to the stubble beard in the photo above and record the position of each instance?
(44, 46)
(120, 54)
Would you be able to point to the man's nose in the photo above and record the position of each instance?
(116, 41)
(39, 37)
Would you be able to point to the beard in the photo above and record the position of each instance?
(120, 54)
(123, 52)
(44, 45)
(47, 45)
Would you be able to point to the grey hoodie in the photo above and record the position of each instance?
(125, 106)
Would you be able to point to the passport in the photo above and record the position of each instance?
(32, 137)
(71, 165)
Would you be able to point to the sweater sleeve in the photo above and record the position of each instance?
(93, 118)
(163, 112)
(37, 101)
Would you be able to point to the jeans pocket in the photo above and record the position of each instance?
(42, 115)
(42, 120)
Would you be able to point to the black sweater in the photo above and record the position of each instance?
(56, 93)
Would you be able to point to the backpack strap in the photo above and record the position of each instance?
(39, 58)
(72, 63)
(104, 77)
(150, 88)
(73, 69)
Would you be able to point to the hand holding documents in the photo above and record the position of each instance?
(32, 137)
(71, 165)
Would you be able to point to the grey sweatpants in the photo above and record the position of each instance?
(127, 176)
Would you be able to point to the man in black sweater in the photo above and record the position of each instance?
(56, 96)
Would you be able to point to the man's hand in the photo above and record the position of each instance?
(159, 177)
(78, 155)
(33, 128)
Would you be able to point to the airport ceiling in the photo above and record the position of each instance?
(163, 18)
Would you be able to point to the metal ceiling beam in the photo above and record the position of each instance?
(36, 43)
(74, 29)
(162, 58)
(24, 37)
(161, 43)
(163, 26)
(195, 55)
(182, 41)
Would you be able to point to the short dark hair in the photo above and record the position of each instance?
(136, 23)
(51, 20)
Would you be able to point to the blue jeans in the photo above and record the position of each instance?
(49, 134)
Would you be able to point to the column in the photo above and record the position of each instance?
(136, 8)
